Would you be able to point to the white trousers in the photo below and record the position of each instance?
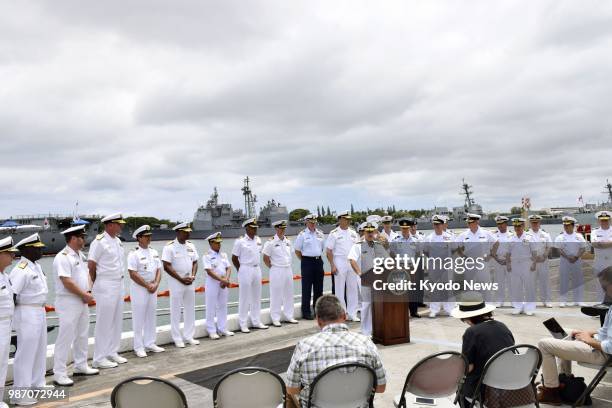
(522, 282)
(440, 298)
(181, 296)
(478, 275)
(144, 318)
(30, 362)
(109, 317)
(5, 344)
(571, 271)
(543, 279)
(599, 265)
(366, 310)
(216, 306)
(73, 316)
(249, 295)
(502, 277)
(281, 292)
(349, 283)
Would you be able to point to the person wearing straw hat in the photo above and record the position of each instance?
(144, 267)
(246, 258)
(180, 260)
(521, 266)
(601, 240)
(7, 309)
(482, 339)
(29, 285)
(106, 269)
(218, 270)
(338, 245)
(498, 263)
(543, 245)
(72, 298)
(309, 246)
(571, 246)
(277, 257)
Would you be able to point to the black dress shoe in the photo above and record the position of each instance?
(308, 317)
(415, 316)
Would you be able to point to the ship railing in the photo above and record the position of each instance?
(51, 215)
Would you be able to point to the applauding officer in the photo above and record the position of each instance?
(277, 257)
(7, 307)
(309, 248)
(246, 257)
(72, 297)
(218, 271)
(29, 284)
(180, 260)
(106, 268)
(144, 267)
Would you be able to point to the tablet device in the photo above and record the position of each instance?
(555, 328)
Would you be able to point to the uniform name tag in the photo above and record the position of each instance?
(36, 277)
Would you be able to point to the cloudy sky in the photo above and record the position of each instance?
(145, 106)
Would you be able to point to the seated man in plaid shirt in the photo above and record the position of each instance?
(335, 344)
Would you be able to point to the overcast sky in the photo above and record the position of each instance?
(143, 107)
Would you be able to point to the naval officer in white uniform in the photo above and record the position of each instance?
(180, 260)
(218, 271)
(521, 266)
(309, 246)
(72, 298)
(106, 264)
(7, 308)
(499, 262)
(543, 245)
(144, 267)
(572, 246)
(338, 245)
(387, 231)
(246, 257)
(601, 239)
(277, 256)
(29, 284)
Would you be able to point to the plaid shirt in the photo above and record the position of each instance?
(335, 344)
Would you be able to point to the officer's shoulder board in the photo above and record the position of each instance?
(100, 236)
(334, 230)
(64, 252)
(169, 242)
(22, 265)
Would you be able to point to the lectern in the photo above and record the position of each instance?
(390, 312)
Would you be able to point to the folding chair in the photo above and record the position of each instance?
(250, 387)
(345, 385)
(436, 376)
(601, 373)
(147, 392)
(512, 368)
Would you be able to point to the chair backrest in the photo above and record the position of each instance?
(512, 368)
(250, 387)
(345, 385)
(147, 392)
(438, 375)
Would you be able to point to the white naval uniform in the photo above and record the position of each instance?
(340, 241)
(216, 296)
(500, 272)
(7, 309)
(72, 312)
(146, 263)
(281, 277)
(108, 254)
(390, 236)
(522, 278)
(603, 256)
(366, 292)
(30, 322)
(181, 257)
(571, 245)
(542, 243)
(440, 247)
(248, 252)
(477, 245)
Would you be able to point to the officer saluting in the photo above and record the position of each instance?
(72, 297)
(106, 268)
(309, 249)
(218, 271)
(7, 254)
(277, 257)
(246, 256)
(144, 267)
(180, 260)
(29, 285)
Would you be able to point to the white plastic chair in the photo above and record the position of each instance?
(345, 385)
(601, 373)
(250, 387)
(147, 392)
(433, 378)
(512, 368)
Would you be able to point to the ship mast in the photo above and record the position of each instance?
(249, 199)
(467, 192)
(608, 188)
